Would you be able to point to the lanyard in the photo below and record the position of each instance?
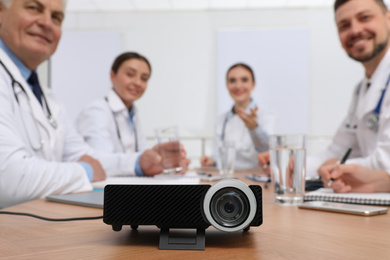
(228, 116)
(373, 119)
(50, 118)
(377, 110)
(131, 116)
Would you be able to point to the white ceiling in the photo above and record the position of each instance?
(178, 5)
(173, 5)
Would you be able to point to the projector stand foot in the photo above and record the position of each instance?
(183, 243)
(134, 227)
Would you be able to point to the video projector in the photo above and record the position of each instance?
(228, 205)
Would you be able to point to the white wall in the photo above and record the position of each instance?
(87, 59)
(282, 77)
(181, 47)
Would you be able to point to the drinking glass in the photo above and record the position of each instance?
(170, 149)
(288, 161)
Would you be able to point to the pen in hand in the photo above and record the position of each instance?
(265, 166)
(343, 160)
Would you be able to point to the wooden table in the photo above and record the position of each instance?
(287, 233)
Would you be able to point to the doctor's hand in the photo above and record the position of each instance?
(207, 161)
(356, 178)
(150, 162)
(264, 162)
(98, 172)
(326, 169)
(250, 119)
(185, 162)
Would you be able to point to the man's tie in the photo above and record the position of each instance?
(36, 88)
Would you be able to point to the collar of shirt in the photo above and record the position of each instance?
(380, 75)
(365, 85)
(26, 72)
(117, 106)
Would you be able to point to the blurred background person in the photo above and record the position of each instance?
(112, 124)
(245, 124)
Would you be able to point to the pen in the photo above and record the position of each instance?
(260, 178)
(343, 160)
(267, 183)
(265, 166)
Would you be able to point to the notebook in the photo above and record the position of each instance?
(90, 199)
(325, 194)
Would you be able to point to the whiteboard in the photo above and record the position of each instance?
(280, 61)
(80, 68)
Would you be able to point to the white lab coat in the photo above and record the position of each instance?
(100, 122)
(369, 148)
(26, 174)
(248, 143)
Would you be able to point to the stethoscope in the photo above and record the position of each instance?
(225, 121)
(373, 119)
(50, 117)
(131, 114)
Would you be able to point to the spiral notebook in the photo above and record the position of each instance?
(324, 194)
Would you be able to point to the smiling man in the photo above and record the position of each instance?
(32, 29)
(363, 27)
(40, 152)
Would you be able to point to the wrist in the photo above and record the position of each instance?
(138, 169)
(252, 126)
(382, 183)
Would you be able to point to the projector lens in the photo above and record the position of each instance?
(229, 207)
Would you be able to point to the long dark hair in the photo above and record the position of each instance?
(128, 56)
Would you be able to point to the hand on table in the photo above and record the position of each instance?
(264, 162)
(207, 161)
(98, 172)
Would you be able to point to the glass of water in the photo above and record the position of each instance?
(169, 149)
(226, 158)
(288, 167)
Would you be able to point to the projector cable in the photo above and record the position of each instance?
(49, 219)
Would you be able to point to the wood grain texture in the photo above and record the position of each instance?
(287, 233)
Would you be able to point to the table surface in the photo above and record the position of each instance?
(286, 233)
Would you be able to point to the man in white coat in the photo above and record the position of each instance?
(363, 28)
(40, 152)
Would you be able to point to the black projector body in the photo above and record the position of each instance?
(179, 206)
(228, 205)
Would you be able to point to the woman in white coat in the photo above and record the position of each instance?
(246, 125)
(112, 123)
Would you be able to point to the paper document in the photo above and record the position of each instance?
(188, 178)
